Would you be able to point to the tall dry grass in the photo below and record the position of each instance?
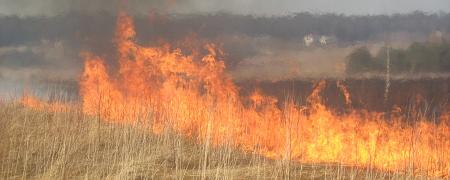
(69, 145)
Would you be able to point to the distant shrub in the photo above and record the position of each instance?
(417, 58)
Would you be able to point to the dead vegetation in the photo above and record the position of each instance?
(70, 145)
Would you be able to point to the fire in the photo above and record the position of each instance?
(193, 95)
(35, 103)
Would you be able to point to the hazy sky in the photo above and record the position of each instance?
(338, 6)
(265, 7)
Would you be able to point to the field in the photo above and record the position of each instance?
(70, 145)
(168, 112)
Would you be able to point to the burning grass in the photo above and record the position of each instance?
(39, 144)
(167, 114)
(191, 94)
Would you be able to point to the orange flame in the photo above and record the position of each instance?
(196, 98)
(35, 103)
(345, 92)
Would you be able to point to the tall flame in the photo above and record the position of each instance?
(196, 98)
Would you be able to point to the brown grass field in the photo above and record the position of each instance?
(70, 145)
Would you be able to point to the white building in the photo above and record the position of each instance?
(308, 40)
(323, 40)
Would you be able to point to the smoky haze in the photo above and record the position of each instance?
(42, 40)
(246, 7)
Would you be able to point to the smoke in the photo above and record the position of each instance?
(57, 7)
(253, 7)
(279, 61)
(268, 48)
(49, 59)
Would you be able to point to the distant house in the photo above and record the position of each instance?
(323, 40)
(308, 40)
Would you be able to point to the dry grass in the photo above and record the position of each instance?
(70, 145)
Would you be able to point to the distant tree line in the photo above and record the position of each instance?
(346, 28)
(417, 58)
(94, 31)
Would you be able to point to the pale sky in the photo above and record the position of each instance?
(274, 7)
(260, 7)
